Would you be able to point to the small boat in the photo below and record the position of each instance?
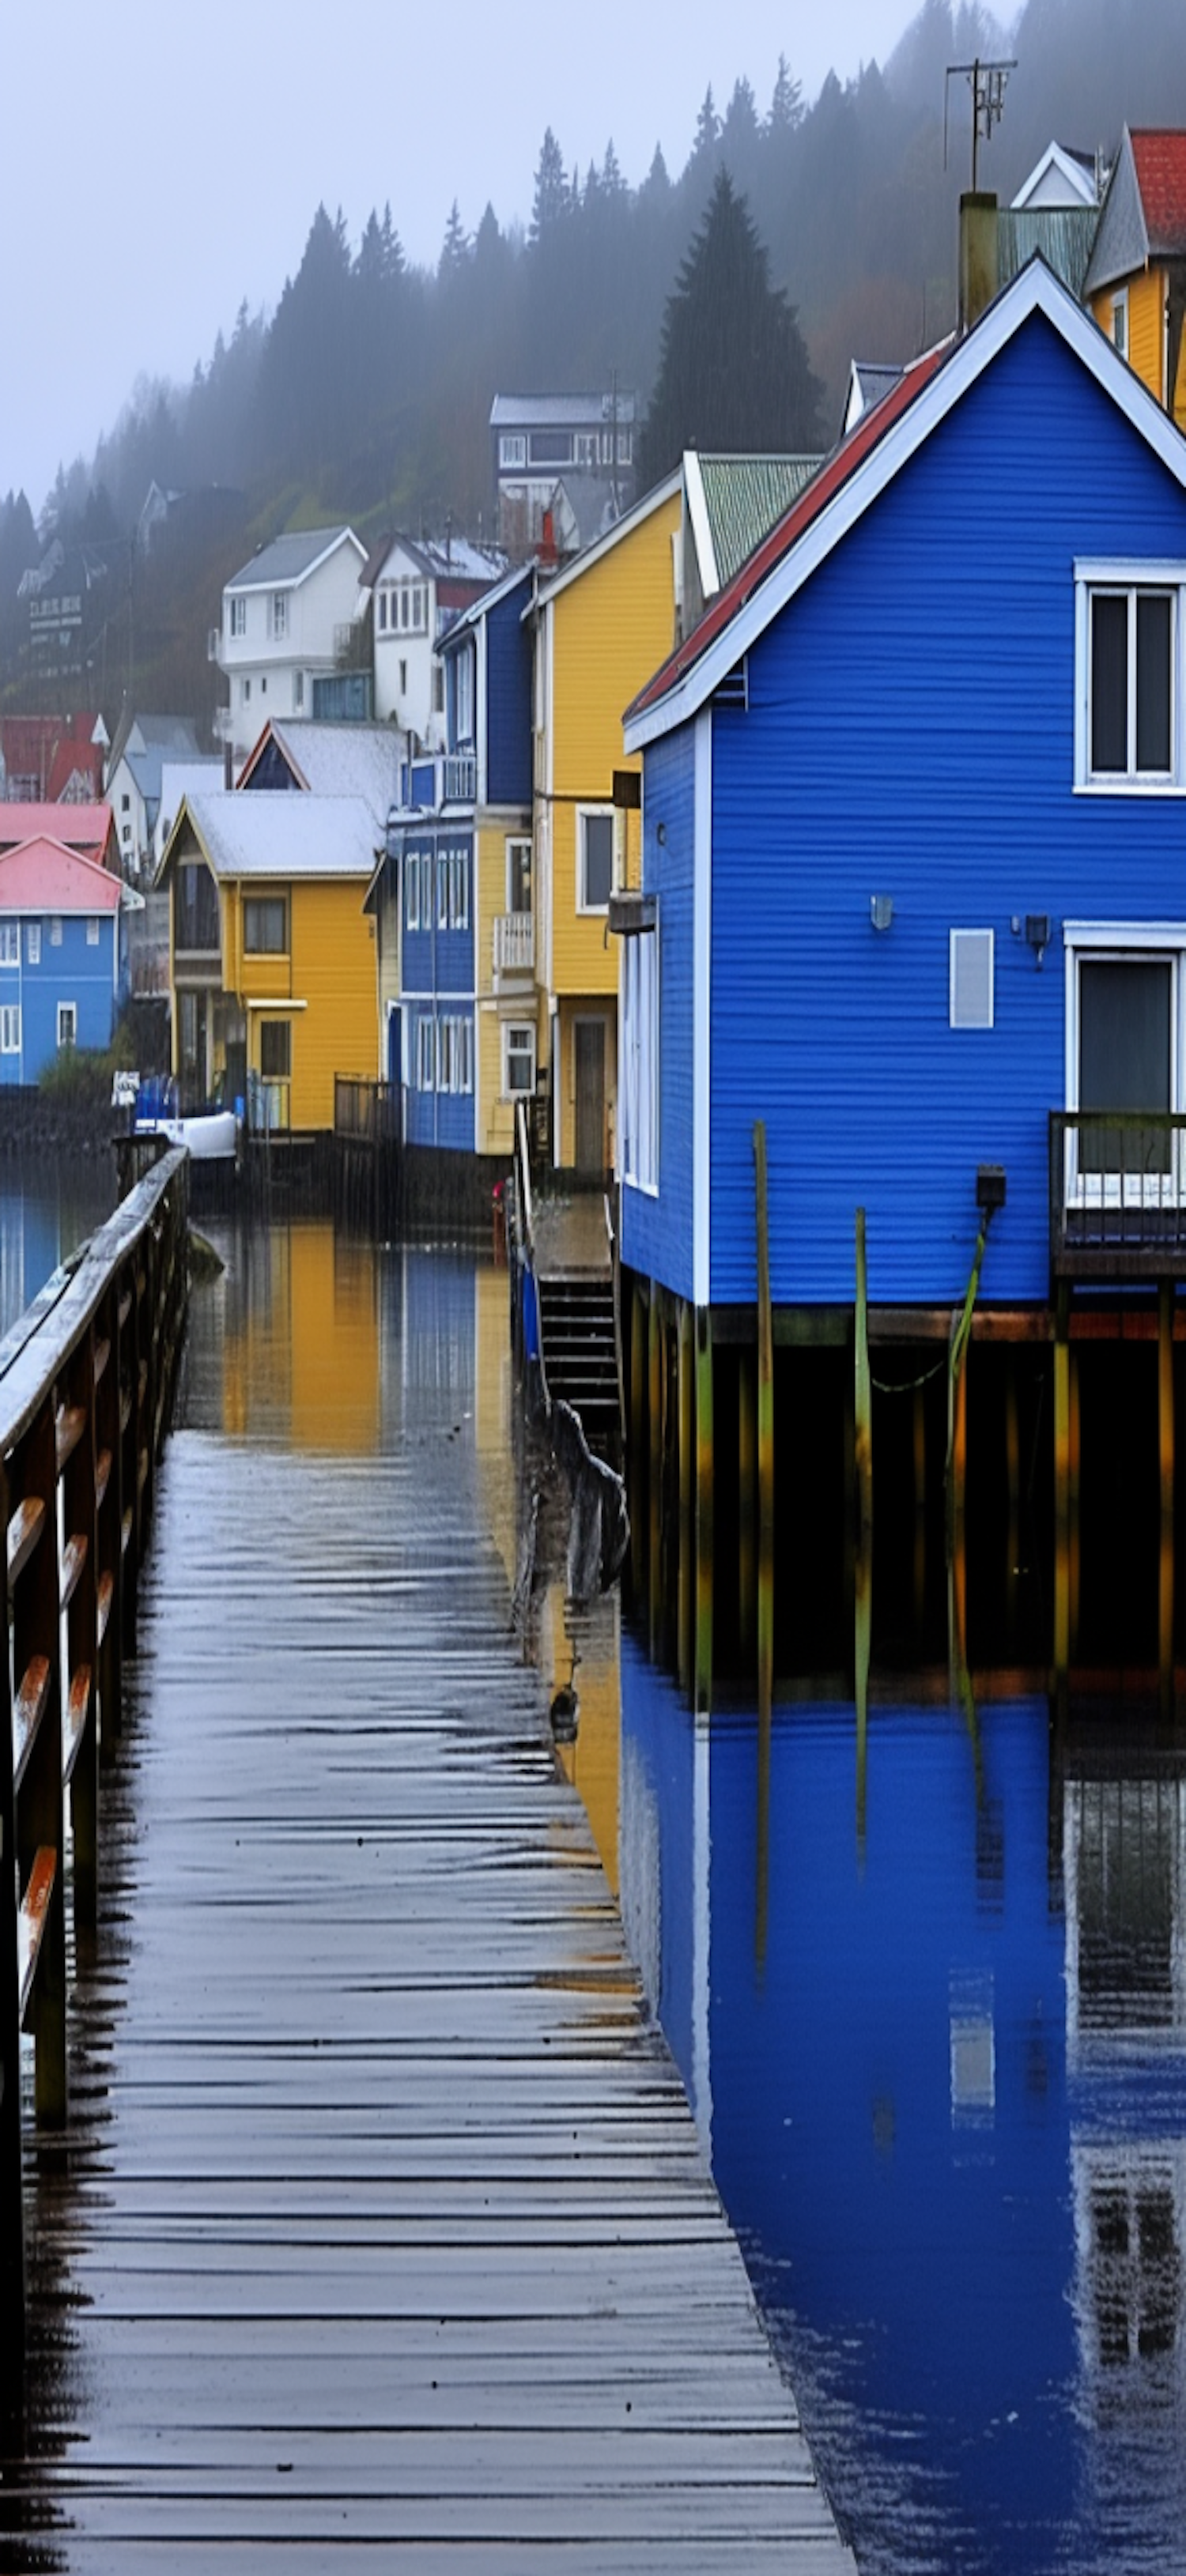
(212, 1135)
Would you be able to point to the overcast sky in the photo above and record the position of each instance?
(160, 165)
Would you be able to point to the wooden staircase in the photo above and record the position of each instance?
(578, 1343)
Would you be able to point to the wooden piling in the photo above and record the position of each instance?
(1062, 1488)
(747, 1462)
(1165, 1395)
(862, 1397)
(686, 1415)
(704, 1514)
(655, 1468)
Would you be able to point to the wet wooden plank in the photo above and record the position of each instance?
(384, 2226)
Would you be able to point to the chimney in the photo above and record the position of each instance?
(979, 277)
(548, 556)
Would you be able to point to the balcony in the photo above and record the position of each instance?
(1117, 1194)
(514, 946)
(438, 778)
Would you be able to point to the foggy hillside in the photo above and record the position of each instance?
(367, 392)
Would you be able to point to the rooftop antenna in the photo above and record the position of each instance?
(987, 83)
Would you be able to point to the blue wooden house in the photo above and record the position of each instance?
(453, 896)
(915, 856)
(63, 955)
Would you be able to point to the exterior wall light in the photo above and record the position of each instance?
(881, 910)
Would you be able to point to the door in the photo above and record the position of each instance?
(1126, 1025)
(589, 1045)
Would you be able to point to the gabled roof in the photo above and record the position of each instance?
(278, 837)
(623, 527)
(291, 559)
(470, 618)
(733, 501)
(859, 471)
(439, 559)
(332, 760)
(42, 875)
(1063, 236)
(85, 828)
(1144, 212)
(1060, 178)
(868, 381)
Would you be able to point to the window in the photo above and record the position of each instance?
(1129, 664)
(92, 930)
(419, 620)
(512, 449)
(10, 1028)
(412, 890)
(459, 889)
(33, 943)
(246, 693)
(279, 615)
(126, 835)
(438, 689)
(10, 943)
(595, 858)
(238, 616)
(465, 694)
(454, 1053)
(263, 684)
(442, 890)
(518, 876)
(585, 444)
(425, 1054)
(298, 689)
(624, 446)
(275, 1050)
(1120, 322)
(55, 930)
(382, 612)
(125, 804)
(404, 604)
(640, 1061)
(67, 1024)
(970, 983)
(403, 679)
(265, 925)
(551, 447)
(518, 1059)
(607, 447)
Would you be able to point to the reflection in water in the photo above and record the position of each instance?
(47, 1208)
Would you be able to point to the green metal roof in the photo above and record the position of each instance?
(1063, 234)
(744, 495)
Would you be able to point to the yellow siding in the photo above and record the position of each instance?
(333, 973)
(611, 629)
(1146, 330)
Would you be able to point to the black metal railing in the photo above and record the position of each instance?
(1117, 1192)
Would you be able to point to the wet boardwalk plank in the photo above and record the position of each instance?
(383, 2229)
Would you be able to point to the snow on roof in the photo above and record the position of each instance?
(335, 760)
(257, 835)
(289, 558)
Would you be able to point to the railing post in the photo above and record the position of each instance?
(12, 2216)
(108, 1517)
(79, 1583)
(36, 1644)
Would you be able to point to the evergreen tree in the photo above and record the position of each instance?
(551, 201)
(454, 259)
(786, 105)
(708, 127)
(733, 370)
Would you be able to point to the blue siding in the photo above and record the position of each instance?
(910, 730)
(508, 700)
(657, 1233)
(74, 972)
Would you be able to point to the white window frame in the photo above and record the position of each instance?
(237, 617)
(92, 930)
(1130, 578)
(425, 1052)
(518, 841)
(55, 930)
(464, 695)
(10, 943)
(459, 888)
(33, 943)
(67, 1024)
(412, 890)
(524, 1030)
(639, 1068)
(584, 815)
(954, 946)
(279, 616)
(10, 1028)
(1136, 943)
(512, 449)
(1119, 322)
(442, 864)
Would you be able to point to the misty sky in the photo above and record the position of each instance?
(158, 168)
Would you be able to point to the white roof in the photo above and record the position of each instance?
(282, 835)
(341, 760)
(289, 559)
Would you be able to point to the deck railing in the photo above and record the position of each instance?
(1118, 1192)
(367, 1113)
(514, 943)
(86, 1387)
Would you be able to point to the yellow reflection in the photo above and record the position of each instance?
(301, 1351)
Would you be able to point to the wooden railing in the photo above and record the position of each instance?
(86, 1387)
(1117, 1193)
(367, 1113)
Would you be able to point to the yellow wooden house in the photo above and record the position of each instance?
(602, 624)
(1136, 279)
(271, 957)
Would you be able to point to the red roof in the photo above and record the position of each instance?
(41, 875)
(50, 749)
(88, 828)
(1159, 155)
(785, 533)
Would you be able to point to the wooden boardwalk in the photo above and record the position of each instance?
(382, 2229)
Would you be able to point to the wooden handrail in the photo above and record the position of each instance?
(86, 1384)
